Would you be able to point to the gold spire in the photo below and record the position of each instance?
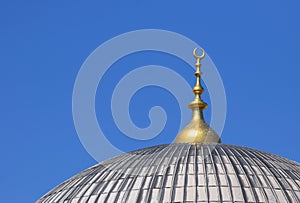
(197, 130)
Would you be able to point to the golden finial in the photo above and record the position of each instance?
(197, 130)
(198, 89)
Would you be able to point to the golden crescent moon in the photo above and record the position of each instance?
(199, 57)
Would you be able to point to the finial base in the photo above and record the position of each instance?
(197, 131)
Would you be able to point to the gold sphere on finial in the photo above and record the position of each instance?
(197, 56)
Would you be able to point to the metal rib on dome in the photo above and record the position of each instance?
(188, 173)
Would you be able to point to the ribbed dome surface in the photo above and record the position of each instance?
(185, 173)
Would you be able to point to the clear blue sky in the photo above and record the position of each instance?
(255, 45)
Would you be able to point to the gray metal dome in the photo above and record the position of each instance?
(185, 173)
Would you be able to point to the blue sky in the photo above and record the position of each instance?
(254, 44)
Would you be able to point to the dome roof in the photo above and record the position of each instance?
(203, 172)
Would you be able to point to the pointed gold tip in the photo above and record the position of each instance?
(197, 130)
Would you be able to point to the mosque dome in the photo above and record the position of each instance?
(202, 172)
(196, 168)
